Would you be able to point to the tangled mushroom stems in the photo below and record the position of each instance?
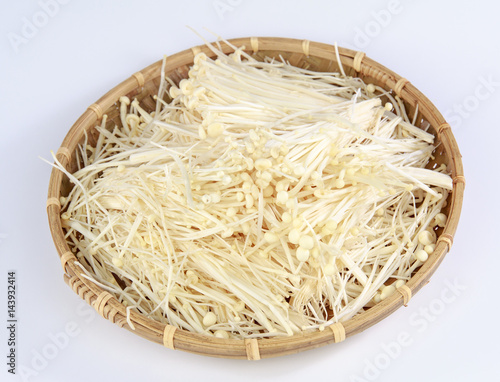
(258, 199)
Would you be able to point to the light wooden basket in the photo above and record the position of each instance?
(302, 53)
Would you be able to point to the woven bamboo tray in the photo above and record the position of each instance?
(302, 53)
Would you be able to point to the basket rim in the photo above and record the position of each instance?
(108, 307)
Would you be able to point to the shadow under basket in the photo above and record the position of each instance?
(144, 84)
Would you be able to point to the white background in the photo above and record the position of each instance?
(49, 76)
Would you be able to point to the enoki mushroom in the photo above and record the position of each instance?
(258, 199)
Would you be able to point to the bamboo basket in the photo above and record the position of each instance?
(302, 53)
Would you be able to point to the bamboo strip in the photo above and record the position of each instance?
(97, 109)
(358, 59)
(254, 43)
(139, 78)
(406, 293)
(252, 346)
(53, 202)
(338, 331)
(168, 336)
(446, 238)
(64, 151)
(65, 258)
(398, 88)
